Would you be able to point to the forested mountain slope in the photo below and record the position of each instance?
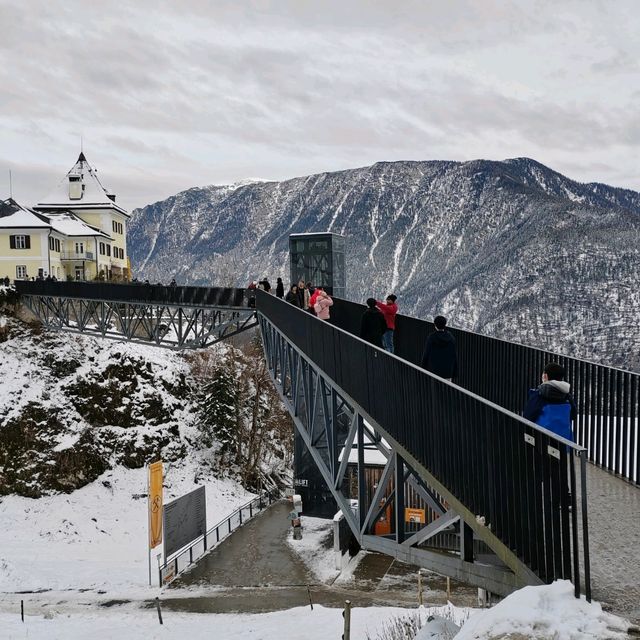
(511, 249)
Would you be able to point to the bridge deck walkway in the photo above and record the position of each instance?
(614, 532)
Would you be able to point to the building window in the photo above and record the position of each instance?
(109, 250)
(102, 248)
(79, 248)
(51, 244)
(57, 246)
(20, 242)
(21, 271)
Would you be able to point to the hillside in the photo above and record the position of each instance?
(73, 407)
(511, 249)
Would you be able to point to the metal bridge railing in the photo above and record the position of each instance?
(176, 563)
(143, 293)
(608, 399)
(516, 478)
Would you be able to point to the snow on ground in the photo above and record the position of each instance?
(316, 550)
(320, 624)
(316, 547)
(547, 612)
(96, 537)
(550, 611)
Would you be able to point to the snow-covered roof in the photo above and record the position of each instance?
(15, 216)
(93, 194)
(71, 225)
(372, 455)
(300, 236)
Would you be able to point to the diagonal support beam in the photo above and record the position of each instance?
(432, 529)
(387, 473)
(346, 451)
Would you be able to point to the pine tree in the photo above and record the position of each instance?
(218, 410)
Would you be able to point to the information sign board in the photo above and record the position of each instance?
(185, 519)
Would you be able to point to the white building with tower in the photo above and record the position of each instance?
(77, 232)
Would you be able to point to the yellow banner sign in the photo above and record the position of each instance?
(155, 504)
(414, 515)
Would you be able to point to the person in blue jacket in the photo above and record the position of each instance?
(551, 405)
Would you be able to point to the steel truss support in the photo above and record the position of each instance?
(331, 424)
(171, 326)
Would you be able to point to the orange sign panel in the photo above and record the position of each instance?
(155, 504)
(414, 515)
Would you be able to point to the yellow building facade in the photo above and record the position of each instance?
(77, 232)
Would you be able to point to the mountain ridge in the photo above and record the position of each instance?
(510, 248)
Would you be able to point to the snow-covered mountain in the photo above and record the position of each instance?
(511, 249)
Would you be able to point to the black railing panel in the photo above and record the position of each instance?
(502, 372)
(128, 292)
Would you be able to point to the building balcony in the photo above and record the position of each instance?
(72, 255)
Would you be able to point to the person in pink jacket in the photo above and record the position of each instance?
(321, 307)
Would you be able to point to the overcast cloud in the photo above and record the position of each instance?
(170, 95)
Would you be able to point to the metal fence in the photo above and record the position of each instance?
(175, 564)
(608, 399)
(518, 478)
(146, 293)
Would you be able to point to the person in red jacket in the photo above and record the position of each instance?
(314, 298)
(389, 310)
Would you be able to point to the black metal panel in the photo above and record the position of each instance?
(317, 499)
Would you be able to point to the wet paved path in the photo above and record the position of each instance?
(255, 570)
(253, 556)
(614, 539)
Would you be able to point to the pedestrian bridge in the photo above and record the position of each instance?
(506, 501)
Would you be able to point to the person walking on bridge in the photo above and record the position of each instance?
(292, 296)
(551, 405)
(440, 355)
(321, 307)
(389, 309)
(301, 293)
(279, 288)
(313, 298)
(308, 288)
(373, 325)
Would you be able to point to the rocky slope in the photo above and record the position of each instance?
(73, 407)
(511, 249)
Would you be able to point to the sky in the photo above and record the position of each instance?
(169, 95)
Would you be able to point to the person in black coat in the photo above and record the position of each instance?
(279, 288)
(440, 356)
(292, 296)
(373, 325)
